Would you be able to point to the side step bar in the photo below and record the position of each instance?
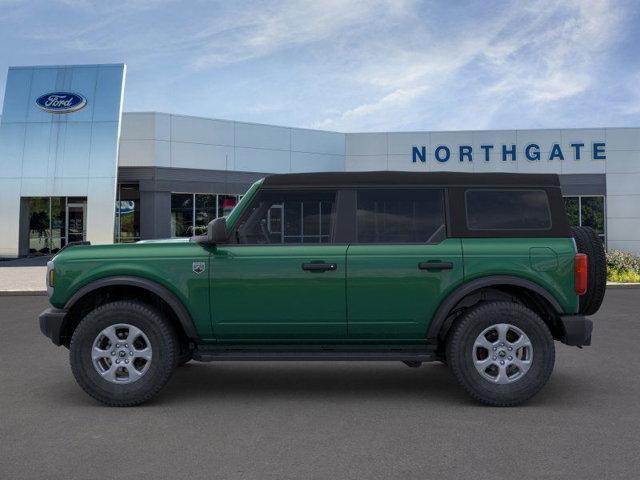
(313, 355)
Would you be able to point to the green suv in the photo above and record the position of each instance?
(479, 271)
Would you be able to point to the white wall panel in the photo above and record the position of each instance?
(141, 153)
(313, 141)
(263, 160)
(316, 162)
(623, 183)
(623, 138)
(262, 136)
(139, 126)
(201, 130)
(198, 155)
(366, 144)
(400, 143)
(364, 163)
(623, 161)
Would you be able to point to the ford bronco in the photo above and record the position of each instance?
(479, 271)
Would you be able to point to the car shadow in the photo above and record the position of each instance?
(347, 381)
(253, 382)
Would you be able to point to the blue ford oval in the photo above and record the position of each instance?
(61, 102)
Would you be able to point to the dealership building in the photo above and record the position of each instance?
(74, 166)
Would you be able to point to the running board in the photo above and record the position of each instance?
(313, 355)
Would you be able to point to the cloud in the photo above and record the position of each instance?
(533, 53)
(348, 65)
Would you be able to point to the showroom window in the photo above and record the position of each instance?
(127, 226)
(288, 217)
(191, 212)
(400, 216)
(588, 211)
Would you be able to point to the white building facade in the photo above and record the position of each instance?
(175, 173)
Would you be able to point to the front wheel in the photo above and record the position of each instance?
(502, 353)
(123, 353)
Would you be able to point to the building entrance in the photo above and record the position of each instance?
(53, 222)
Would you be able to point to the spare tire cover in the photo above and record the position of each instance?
(588, 242)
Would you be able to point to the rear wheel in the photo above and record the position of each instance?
(123, 353)
(502, 353)
(588, 242)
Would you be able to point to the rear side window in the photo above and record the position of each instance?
(491, 209)
(400, 216)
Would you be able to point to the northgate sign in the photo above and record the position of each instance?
(531, 152)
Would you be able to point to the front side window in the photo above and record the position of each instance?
(288, 217)
(400, 216)
(489, 209)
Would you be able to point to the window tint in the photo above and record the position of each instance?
(508, 210)
(400, 216)
(279, 217)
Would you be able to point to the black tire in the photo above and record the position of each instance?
(460, 353)
(588, 242)
(184, 357)
(163, 342)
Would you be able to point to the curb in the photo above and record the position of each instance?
(23, 293)
(623, 285)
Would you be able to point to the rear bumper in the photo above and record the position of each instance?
(51, 322)
(577, 330)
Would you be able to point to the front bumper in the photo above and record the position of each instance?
(577, 330)
(51, 323)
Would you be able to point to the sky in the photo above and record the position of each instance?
(351, 65)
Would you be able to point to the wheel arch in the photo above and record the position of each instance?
(117, 287)
(544, 302)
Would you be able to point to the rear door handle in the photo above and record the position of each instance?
(435, 265)
(319, 267)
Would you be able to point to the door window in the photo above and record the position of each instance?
(288, 217)
(400, 216)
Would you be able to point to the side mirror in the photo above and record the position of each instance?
(217, 231)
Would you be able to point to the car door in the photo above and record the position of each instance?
(284, 278)
(401, 264)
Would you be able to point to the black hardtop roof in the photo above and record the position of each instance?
(413, 179)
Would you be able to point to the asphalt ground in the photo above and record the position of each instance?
(322, 420)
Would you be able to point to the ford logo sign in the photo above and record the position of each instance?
(61, 102)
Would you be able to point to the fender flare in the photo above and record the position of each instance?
(164, 293)
(463, 290)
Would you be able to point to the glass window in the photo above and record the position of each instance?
(181, 214)
(54, 222)
(288, 217)
(59, 234)
(592, 213)
(205, 212)
(128, 214)
(587, 211)
(572, 206)
(39, 225)
(226, 203)
(400, 216)
(507, 210)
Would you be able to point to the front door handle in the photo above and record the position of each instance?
(435, 265)
(319, 267)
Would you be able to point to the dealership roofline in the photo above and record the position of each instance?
(154, 112)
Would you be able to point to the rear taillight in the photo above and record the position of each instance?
(581, 273)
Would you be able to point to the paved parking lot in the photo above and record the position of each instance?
(322, 420)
